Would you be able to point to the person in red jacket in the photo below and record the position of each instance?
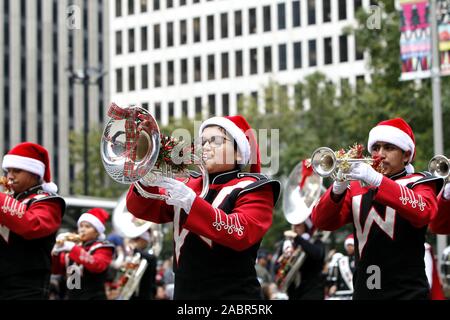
(440, 223)
(86, 263)
(216, 238)
(390, 216)
(30, 215)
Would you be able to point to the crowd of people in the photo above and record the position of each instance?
(217, 237)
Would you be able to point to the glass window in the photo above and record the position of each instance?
(268, 59)
(156, 5)
(119, 80)
(312, 53)
(210, 27)
(184, 70)
(343, 48)
(238, 23)
(131, 79)
(169, 3)
(130, 7)
(224, 25)
(359, 52)
(252, 20)
(143, 6)
(238, 63)
(196, 28)
(297, 55)
(169, 34)
(326, 10)
(131, 40)
(311, 12)
(225, 104)
(158, 111)
(183, 32)
(170, 73)
(328, 54)
(182, 3)
(197, 69)
(156, 36)
(157, 74)
(282, 57)
(224, 64)
(212, 104)
(253, 61)
(266, 19)
(342, 9)
(296, 21)
(144, 76)
(211, 67)
(281, 16)
(118, 42)
(184, 108)
(357, 5)
(198, 107)
(144, 39)
(118, 8)
(171, 110)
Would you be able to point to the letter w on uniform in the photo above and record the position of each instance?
(387, 224)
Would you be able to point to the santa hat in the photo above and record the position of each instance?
(349, 240)
(97, 217)
(242, 133)
(33, 158)
(398, 132)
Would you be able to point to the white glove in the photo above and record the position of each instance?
(364, 172)
(339, 187)
(446, 193)
(179, 194)
(66, 246)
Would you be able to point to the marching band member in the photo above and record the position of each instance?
(440, 223)
(85, 264)
(309, 283)
(29, 220)
(216, 238)
(341, 270)
(390, 216)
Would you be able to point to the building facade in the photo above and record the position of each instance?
(48, 48)
(179, 58)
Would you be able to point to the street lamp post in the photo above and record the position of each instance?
(86, 76)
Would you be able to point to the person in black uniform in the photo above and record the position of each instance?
(309, 282)
(85, 262)
(30, 215)
(390, 213)
(147, 285)
(216, 239)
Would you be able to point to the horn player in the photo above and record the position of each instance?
(216, 238)
(86, 263)
(390, 215)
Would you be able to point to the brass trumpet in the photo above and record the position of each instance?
(74, 237)
(328, 163)
(439, 166)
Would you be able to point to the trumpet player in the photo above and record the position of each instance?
(216, 238)
(29, 219)
(390, 216)
(440, 223)
(84, 259)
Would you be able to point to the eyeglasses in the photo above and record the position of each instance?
(215, 141)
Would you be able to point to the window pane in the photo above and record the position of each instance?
(312, 53)
(311, 11)
(343, 48)
(296, 13)
(342, 9)
(328, 54)
(253, 61)
(212, 104)
(156, 5)
(130, 7)
(144, 76)
(144, 38)
(211, 67)
(210, 27)
(282, 59)
(268, 59)
(184, 108)
(266, 17)
(130, 40)
(143, 6)
(238, 58)
(157, 79)
(184, 71)
(225, 104)
(119, 80)
(197, 69)
(183, 32)
(170, 73)
(196, 27)
(326, 10)
(118, 8)
(225, 66)
(224, 25)
(237, 23)
(169, 34)
(281, 16)
(118, 42)
(252, 20)
(156, 36)
(297, 55)
(131, 79)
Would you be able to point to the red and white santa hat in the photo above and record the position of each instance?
(242, 133)
(33, 158)
(349, 240)
(97, 217)
(398, 132)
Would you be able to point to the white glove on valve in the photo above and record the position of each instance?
(179, 194)
(364, 172)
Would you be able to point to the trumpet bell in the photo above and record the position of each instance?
(323, 161)
(439, 166)
(298, 200)
(127, 158)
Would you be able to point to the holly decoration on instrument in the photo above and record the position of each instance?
(356, 152)
(168, 144)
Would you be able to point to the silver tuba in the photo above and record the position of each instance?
(439, 166)
(131, 151)
(302, 191)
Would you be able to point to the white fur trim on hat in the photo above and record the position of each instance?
(50, 187)
(392, 135)
(24, 163)
(96, 223)
(237, 134)
(349, 241)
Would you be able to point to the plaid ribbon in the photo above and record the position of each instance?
(132, 119)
